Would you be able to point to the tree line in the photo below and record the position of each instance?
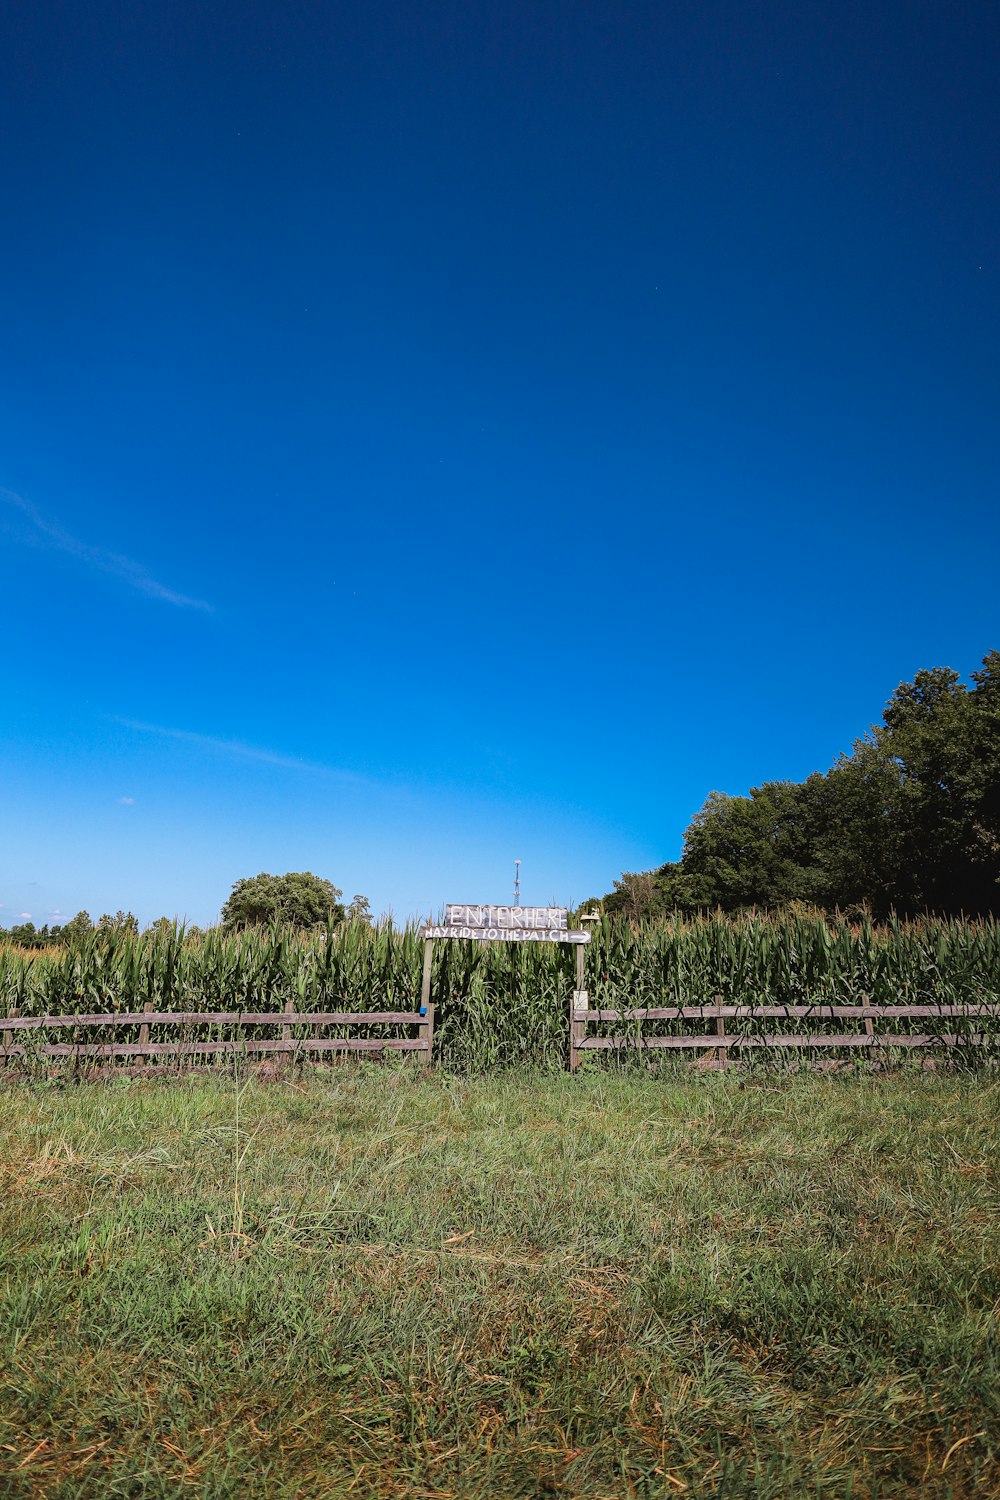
(297, 899)
(909, 821)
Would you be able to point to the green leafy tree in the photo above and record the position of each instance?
(980, 776)
(77, 927)
(636, 896)
(858, 820)
(360, 910)
(295, 900)
(24, 934)
(162, 927)
(752, 851)
(27, 935)
(909, 821)
(945, 739)
(122, 921)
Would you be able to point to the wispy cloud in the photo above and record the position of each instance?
(38, 529)
(127, 801)
(237, 748)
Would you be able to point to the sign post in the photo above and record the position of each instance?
(426, 1008)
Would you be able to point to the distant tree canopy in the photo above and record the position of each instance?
(360, 910)
(908, 822)
(77, 927)
(27, 935)
(163, 927)
(122, 921)
(296, 900)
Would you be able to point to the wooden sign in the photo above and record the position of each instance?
(523, 917)
(506, 924)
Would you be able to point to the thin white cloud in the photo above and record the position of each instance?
(127, 801)
(237, 748)
(51, 534)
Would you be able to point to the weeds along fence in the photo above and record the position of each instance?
(508, 1004)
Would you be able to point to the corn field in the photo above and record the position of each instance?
(500, 1005)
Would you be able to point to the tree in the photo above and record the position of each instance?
(77, 927)
(163, 927)
(909, 821)
(859, 815)
(980, 778)
(296, 900)
(360, 910)
(635, 896)
(945, 739)
(753, 851)
(23, 935)
(122, 921)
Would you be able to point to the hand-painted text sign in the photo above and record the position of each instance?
(523, 918)
(510, 934)
(507, 924)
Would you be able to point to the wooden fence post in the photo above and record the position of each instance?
(574, 1056)
(721, 1053)
(576, 1028)
(144, 1028)
(426, 1008)
(287, 1044)
(427, 1032)
(12, 1015)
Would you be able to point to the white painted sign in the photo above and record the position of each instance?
(521, 918)
(509, 934)
(506, 924)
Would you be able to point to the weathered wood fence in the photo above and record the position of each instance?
(298, 1033)
(735, 1028)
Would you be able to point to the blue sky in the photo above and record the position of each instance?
(434, 435)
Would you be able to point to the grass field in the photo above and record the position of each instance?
(366, 1282)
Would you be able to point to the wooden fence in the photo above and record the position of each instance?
(297, 1037)
(734, 1028)
(871, 1032)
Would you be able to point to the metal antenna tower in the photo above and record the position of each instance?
(517, 882)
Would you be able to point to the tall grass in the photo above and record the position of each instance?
(387, 1284)
(505, 1004)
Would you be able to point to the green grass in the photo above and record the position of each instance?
(367, 1282)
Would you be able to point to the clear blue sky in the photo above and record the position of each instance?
(434, 434)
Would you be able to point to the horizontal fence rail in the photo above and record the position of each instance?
(722, 1042)
(297, 1033)
(795, 1039)
(782, 1012)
